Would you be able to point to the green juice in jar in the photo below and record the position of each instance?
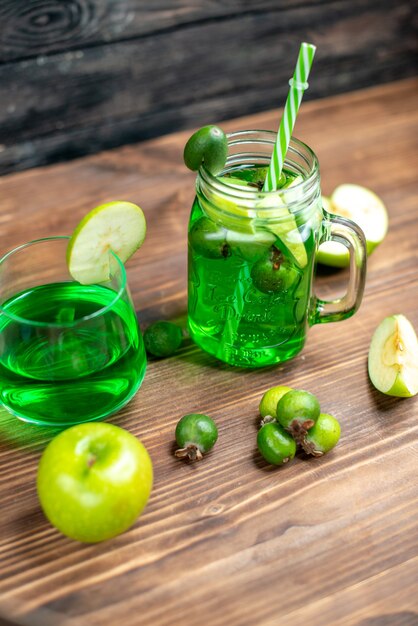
(249, 280)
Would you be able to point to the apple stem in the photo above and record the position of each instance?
(91, 460)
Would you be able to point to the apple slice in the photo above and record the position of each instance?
(242, 217)
(119, 227)
(285, 228)
(288, 233)
(363, 207)
(332, 253)
(227, 212)
(233, 181)
(393, 357)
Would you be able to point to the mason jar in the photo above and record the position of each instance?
(252, 255)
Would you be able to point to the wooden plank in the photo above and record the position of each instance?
(321, 541)
(213, 65)
(38, 28)
(44, 28)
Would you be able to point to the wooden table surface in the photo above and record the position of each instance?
(231, 541)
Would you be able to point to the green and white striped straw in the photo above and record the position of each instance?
(298, 84)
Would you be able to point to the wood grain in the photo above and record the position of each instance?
(46, 27)
(231, 540)
(83, 75)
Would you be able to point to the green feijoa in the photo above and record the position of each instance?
(195, 434)
(252, 247)
(323, 436)
(269, 401)
(208, 145)
(272, 273)
(275, 444)
(297, 412)
(209, 239)
(162, 338)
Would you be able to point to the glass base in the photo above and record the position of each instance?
(246, 356)
(74, 403)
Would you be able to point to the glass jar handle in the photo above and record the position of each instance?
(352, 237)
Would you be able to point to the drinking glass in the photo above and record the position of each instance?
(69, 353)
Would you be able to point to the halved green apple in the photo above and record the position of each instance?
(363, 207)
(393, 357)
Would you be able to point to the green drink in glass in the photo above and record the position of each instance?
(69, 353)
(252, 255)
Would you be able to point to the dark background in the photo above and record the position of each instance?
(77, 76)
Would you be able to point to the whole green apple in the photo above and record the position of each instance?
(93, 481)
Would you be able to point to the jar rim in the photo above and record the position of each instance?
(296, 197)
(263, 137)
